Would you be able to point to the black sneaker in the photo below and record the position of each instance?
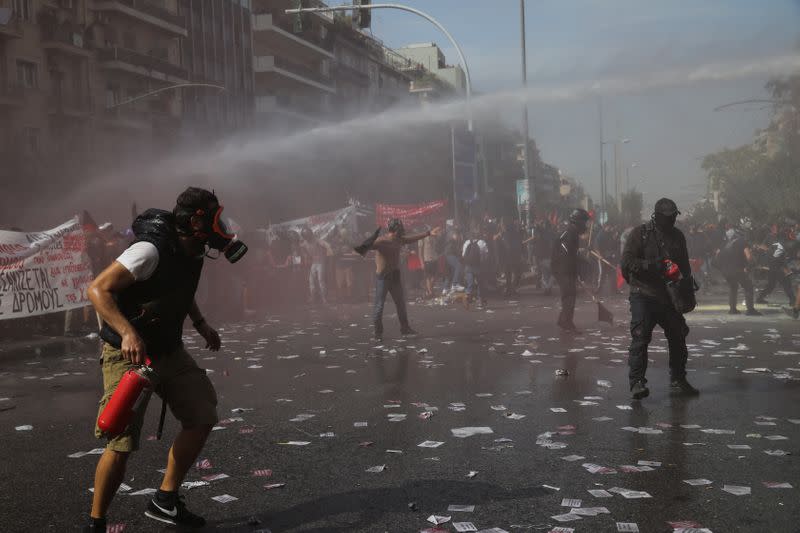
(95, 525)
(639, 391)
(734, 312)
(176, 514)
(753, 312)
(408, 332)
(681, 386)
(791, 311)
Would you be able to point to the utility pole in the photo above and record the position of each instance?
(602, 162)
(525, 130)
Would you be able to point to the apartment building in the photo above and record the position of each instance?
(218, 52)
(432, 59)
(292, 59)
(369, 76)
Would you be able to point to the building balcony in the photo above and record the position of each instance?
(294, 71)
(129, 117)
(11, 94)
(147, 11)
(64, 40)
(283, 105)
(144, 65)
(352, 73)
(70, 104)
(11, 29)
(278, 33)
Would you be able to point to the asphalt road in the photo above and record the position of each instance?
(496, 363)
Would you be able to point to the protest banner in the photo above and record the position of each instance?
(43, 272)
(322, 224)
(430, 214)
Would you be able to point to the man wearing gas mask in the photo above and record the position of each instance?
(648, 260)
(143, 299)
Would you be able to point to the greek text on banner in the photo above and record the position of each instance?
(43, 272)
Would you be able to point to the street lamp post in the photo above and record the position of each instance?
(525, 129)
(617, 176)
(467, 81)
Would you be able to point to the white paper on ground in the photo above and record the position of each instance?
(600, 493)
(460, 508)
(464, 526)
(698, 482)
(224, 498)
(436, 520)
(567, 517)
(569, 502)
(736, 490)
(465, 432)
(627, 527)
(430, 444)
(143, 492)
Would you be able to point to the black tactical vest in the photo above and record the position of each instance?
(157, 307)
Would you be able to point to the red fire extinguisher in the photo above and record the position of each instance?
(671, 271)
(132, 393)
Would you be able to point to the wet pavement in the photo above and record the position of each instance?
(309, 402)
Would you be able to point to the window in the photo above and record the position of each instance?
(32, 146)
(23, 9)
(26, 74)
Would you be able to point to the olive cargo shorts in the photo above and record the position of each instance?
(181, 383)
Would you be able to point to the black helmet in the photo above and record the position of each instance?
(395, 225)
(579, 216)
(666, 207)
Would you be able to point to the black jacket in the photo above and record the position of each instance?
(157, 307)
(564, 258)
(642, 259)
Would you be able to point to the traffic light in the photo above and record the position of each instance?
(362, 17)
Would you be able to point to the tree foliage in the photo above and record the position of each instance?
(762, 180)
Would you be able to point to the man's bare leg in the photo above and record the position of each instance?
(107, 478)
(182, 455)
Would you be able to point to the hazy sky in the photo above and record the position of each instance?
(572, 41)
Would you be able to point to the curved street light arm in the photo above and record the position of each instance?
(422, 14)
(163, 89)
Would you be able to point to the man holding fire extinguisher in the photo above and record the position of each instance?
(143, 299)
(655, 256)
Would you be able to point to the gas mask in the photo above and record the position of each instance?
(215, 230)
(222, 238)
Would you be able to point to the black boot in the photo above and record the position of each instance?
(681, 386)
(639, 390)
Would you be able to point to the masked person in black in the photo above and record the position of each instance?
(564, 263)
(643, 266)
(143, 299)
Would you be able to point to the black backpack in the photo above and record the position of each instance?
(472, 255)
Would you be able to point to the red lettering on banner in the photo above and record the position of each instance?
(413, 215)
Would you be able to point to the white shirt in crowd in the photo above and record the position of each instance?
(141, 260)
(482, 246)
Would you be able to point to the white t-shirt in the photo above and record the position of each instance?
(141, 260)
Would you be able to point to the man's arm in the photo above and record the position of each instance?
(633, 255)
(101, 293)
(411, 239)
(213, 342)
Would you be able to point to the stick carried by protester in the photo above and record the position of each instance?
(603, 314)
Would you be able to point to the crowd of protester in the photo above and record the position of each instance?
(487, 258)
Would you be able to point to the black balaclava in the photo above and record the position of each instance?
(665, 214)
